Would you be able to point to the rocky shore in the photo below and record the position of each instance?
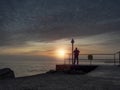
(6, 73)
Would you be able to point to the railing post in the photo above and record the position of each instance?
(69, 58)
(119, 57)
(64, 59)
(114, 60)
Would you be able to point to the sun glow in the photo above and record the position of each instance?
(60, 53)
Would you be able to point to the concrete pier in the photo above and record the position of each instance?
(84, 68)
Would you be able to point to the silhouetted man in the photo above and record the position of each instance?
(76, 55)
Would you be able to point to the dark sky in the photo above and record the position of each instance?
(27, 23)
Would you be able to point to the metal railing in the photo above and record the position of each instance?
(100, 58)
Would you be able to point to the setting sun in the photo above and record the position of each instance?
(60, 53)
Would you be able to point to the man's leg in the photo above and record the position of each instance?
(77, 61)
(74, 61)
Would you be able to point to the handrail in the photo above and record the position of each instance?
(115, 60)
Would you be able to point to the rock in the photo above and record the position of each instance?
(6, 73)
(51, 71)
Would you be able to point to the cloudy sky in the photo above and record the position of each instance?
(39, 27)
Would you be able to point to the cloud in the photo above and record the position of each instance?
(48, 20)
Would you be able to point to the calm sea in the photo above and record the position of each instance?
(30, 66)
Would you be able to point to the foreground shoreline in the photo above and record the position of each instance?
(102, 78)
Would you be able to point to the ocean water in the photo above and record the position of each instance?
(32, 66)
(29, 67)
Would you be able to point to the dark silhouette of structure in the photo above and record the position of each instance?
(90, 57)
(76, 56)
(72, 41)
